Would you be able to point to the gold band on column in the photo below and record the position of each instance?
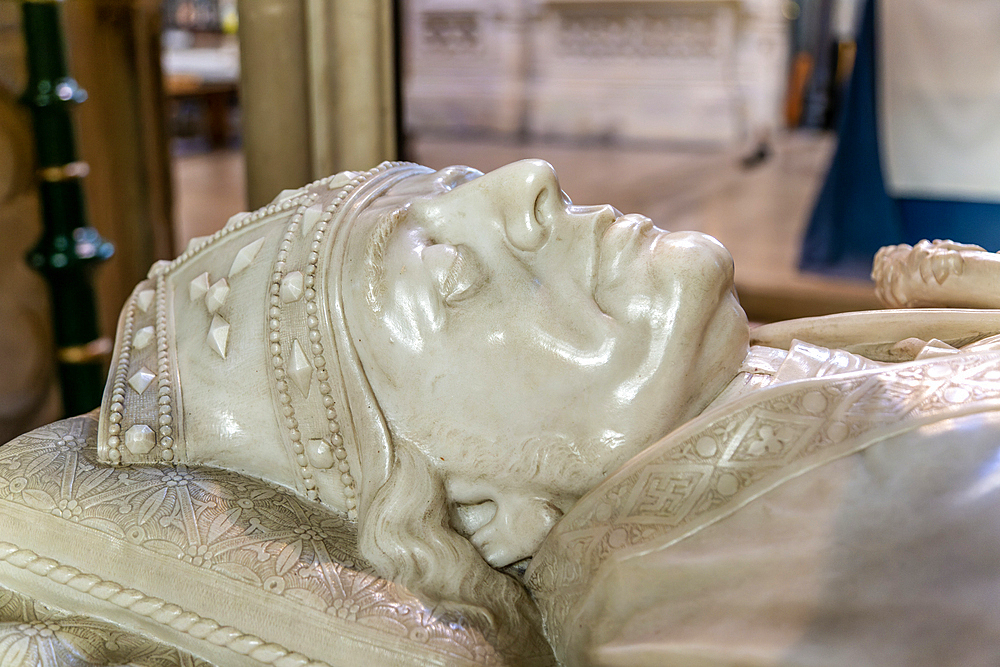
(95, 350)
(64, 172)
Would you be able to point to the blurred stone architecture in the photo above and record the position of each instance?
(694, 71)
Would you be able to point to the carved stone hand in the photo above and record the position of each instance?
(935, 273)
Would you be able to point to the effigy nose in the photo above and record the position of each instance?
(531, 190)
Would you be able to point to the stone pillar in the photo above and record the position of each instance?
(317, 90)
(274, 95)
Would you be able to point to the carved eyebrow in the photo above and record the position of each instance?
(378, 243)
(454, 273)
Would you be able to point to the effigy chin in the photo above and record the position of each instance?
(408, 416)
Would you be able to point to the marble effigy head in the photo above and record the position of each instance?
(451, 358)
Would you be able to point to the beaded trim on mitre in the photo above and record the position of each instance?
(299, 342)
(293, 300)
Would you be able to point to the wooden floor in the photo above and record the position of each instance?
(208, 189)
(758, 213)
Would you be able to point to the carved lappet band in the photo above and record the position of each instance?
(331, 426)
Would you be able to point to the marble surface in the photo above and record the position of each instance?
(413, 414)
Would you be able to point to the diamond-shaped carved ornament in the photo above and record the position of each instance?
(299, 369)
(245, 256)
(218, 336)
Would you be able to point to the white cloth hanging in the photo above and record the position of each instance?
(939, 98)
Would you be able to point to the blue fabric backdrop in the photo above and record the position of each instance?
(854, 216)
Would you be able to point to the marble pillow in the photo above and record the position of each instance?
(221, 566)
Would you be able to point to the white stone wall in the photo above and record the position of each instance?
(465, 66)
(692, 71)
(660, 70)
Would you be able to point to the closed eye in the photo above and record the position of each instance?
(456, 272)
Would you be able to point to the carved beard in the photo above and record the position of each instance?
(407, 536)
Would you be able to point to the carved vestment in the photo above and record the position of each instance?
(793, 525)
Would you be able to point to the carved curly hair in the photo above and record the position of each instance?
(406, 534)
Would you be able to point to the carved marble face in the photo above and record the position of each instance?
(528, 347)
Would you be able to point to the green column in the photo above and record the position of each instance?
(68, 250)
